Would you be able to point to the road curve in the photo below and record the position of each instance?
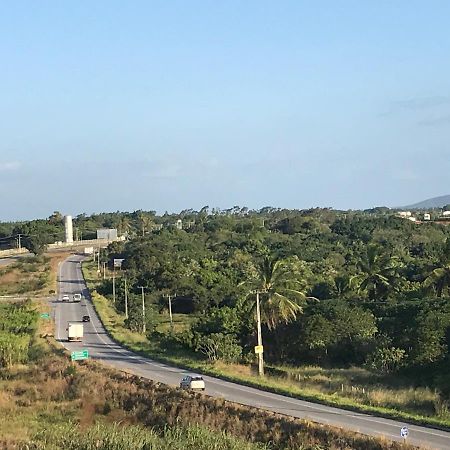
(102, 348)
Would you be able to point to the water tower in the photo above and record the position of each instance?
(69, 229)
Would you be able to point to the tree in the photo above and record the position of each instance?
(34, 244)
(439, 279)
(283, 284)
(386, 359)
(145, 223)
(56, 218)
(379, 273)
(124, 225)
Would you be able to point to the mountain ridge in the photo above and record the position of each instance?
(435, 202)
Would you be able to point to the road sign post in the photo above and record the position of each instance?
(259, 349)
(78, 356)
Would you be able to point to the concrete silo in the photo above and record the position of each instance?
(69, 229)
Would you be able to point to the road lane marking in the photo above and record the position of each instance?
(58, 324)
(254, 391)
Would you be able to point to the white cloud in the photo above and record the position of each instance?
(10, 166)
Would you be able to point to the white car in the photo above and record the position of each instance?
(192, 382)
(65, 298)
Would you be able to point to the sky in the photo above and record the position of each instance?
(170, 105)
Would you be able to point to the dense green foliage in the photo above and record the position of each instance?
(365, 288)
(17, 325)
(358, 288)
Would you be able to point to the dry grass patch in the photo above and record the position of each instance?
(55, 391)
(33, 275)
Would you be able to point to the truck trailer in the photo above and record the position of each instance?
(75, 331)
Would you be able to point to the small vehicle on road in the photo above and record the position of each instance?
(77, 297)
(65, 298)
(86, 319)
(192, 382)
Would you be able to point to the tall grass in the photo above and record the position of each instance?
(41, 403)
(115, 437)
(17, 326)
(337, 387)
(26, 276)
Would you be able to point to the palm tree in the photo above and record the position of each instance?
(282, 286)
(279, 295)
(439, 279)
(379, 273)
(124, 224)
(146, 223)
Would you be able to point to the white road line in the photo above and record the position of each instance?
(317, 408)
(58, 324)
(250, 390)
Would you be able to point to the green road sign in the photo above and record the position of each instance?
(77, 356)
(45, 316)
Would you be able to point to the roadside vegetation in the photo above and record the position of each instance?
(355, 306)
(354, 388)
(31, 275)
(48, 402)
(25, 275)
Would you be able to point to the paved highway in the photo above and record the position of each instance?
(102, 348)
(13, 259)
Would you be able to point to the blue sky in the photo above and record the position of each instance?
(167, 105)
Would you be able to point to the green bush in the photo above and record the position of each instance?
(13, 348)
(219, 346)
(386, 360)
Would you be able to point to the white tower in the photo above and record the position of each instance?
(69, 229)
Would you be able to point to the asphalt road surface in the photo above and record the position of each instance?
(14, 258)
(102, 348)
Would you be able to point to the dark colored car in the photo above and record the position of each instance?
(86, 319)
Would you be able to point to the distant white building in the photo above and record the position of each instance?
(179, 224)
(412, 219)
(404, 214)
(426, 216)
(446, 214)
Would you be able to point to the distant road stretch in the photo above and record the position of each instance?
(102, 348)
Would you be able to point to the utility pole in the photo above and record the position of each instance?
(143, 309)
(98, 260)
(169, 297)
(18, 241)
(126, 298)
(258, 325)
(114, 285)
(104, 271)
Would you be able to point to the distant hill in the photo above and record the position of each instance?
(435, 202)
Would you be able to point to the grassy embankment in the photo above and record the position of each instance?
(54, 404)
(31, 275)
(47, 402)
(354, 388)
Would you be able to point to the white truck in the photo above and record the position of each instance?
(75, 331)
(77, 297)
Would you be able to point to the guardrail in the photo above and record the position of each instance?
(85, 243)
